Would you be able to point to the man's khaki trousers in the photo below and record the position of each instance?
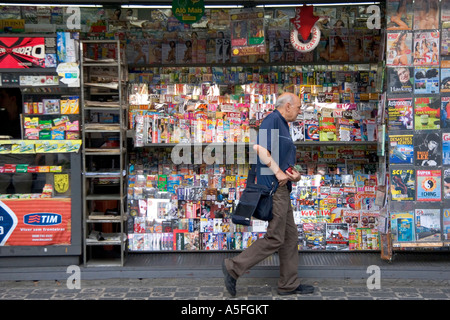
(281, 236)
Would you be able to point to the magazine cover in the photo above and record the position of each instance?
(402, 226)
(428, 225)
(428, 185)
(400, 79)
(446, 224)
(427, 150)
(426, 80)
(399, 14)
(401, 149)
(399, 48)
(403, 184)
(400, 114)
(339, 45)
(446, 148)
(445, 80)
(337, 236)
(426, 48)
(446, 183)
(445, 112)
(427, 113)
(426, 14)
(445, 40)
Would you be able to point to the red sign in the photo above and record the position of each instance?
(22, 52)
(38, 222)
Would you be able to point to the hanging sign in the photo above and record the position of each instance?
(188, 11)
(305, 24)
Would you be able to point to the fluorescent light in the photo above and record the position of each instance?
(225, 6)
(142, 6)
(315, 4)
(52, 5)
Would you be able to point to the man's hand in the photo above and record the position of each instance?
(294, 176)
(282, 178)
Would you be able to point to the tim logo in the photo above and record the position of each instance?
(42, 219)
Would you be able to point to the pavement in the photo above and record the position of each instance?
(201, 289)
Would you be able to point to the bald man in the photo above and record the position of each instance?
(274, 159)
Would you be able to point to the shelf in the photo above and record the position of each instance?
(94, 174)
(100, 217)
(433, 244)
(106, 262)
(102, 152)
(96, 197)
(102, 127)
(298, 143)
(240, 64)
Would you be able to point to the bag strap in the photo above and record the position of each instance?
(251, 176)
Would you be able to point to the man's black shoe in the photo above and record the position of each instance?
(301, 289)
(230, 282)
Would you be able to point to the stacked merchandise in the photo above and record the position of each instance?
(189, 206)
(418, 63)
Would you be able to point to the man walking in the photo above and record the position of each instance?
(282, 235)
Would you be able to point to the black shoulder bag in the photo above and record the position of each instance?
(256, 201)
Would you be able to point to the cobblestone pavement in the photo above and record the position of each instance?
(213, 289)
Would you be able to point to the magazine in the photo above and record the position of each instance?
(399, 14)
(399, 48)
(426, 80)
(445, 80)
(401, 149)
(403, 184)
(427, 113)
(426, 14)
(426, 48)
(446, 148)
(445, 41)
(402, 226)
(400, 114)
(428, 225)
(337, 236)
(428, 185)
(427, 150)
(446, 183)
(400, 79)
(446, 224)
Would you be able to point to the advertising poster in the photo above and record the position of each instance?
(22, 52)
(247, 33)
(38, 222)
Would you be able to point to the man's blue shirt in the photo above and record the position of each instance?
(279, 143)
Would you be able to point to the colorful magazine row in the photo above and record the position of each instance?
(312, 236)
(415, 48)
(426, 150)
(418, 80)
(420, 185)
(421, 225)
(416, 15)
(418, 113)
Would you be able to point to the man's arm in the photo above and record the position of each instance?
(266, 158)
